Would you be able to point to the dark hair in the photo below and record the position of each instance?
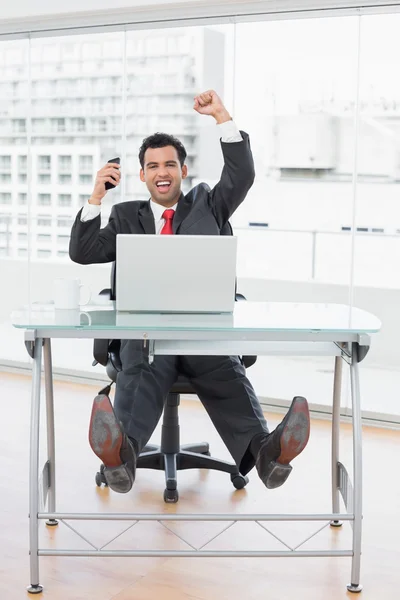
(160, 140)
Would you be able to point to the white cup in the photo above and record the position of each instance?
(67, 294)
(71, 316)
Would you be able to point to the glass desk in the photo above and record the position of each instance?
(254, 328)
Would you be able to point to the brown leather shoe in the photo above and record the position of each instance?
(281, 446)
(109, 442)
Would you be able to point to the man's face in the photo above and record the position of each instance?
(163, 174)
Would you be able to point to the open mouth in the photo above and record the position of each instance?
(163, 186)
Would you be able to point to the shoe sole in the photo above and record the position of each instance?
(105, 439)
(296, 431)
(293, 440)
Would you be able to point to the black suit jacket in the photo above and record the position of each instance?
(201, 212)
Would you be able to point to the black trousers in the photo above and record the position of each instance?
(219, 381)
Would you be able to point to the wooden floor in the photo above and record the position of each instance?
(307, 490)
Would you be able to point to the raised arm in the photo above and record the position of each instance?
(237, 175)
(89, 243)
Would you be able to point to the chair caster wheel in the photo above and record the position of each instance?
(171, 496)
(99, 478)
(239, 481)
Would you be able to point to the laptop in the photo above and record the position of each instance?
(176, 273)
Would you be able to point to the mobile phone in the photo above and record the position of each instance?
(107, 184)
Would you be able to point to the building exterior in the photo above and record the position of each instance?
(93, 98)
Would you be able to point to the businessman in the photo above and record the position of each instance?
(117, 435)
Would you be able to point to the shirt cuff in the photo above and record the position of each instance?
(229, 132)
(90, 211)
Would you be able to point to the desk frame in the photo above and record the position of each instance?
(346, 347)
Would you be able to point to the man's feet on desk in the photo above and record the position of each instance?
(276, 450)
(109, 442)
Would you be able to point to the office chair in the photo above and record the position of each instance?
(170, 456)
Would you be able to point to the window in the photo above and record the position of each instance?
(44, 199)
(85, 163)
(5, 163)
(44, 253)
(44, 162)
(40, 125)
(19, 125)
(5, 198)
(62, 253)
(43, 221)
(64, 200)
(78, 124)
(64, 179)
(102, 125)
(44, 178)
(23, 237)
(22, 221)
(63, 238)
(64, 222)
(58, 125)
(307, 99)
(22, 163)
(5, 177)
(22, 252)
(44, 237)
(64, 163)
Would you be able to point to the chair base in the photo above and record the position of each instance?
(171, 457)
(190, 456)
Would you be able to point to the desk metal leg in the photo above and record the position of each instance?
(51, 454)
(355, 586)
(35, 587)
(337, 389)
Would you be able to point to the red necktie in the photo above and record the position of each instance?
(168, 215)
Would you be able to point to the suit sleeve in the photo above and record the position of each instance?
(90, 244)
(237, 177)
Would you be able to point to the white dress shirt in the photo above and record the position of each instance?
(228, 132)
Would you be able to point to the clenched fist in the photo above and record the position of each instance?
(209, 103)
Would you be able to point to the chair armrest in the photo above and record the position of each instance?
(100, 352)
(100, 347)
(247, 361)
(106, 292)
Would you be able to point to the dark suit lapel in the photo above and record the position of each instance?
(146, 218)
(182, 210)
